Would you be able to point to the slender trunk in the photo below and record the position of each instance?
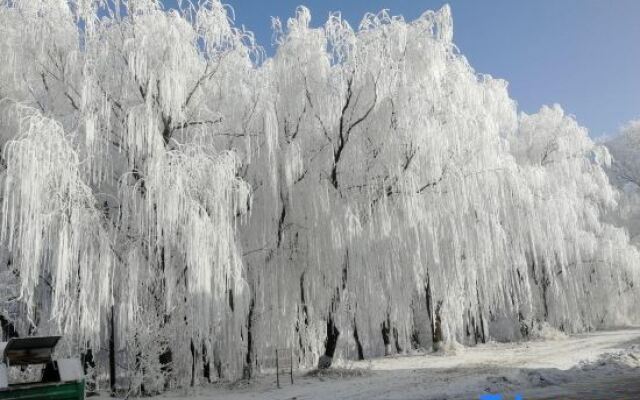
(303, 318)
(248, 362)
(482, 335)
(357, 339)
(437, 331)
(89, 369)
(206, 364)
(386, 340)
(193, 363)
(112, 353)
(434, 317)
(331, 342)
(395, 337)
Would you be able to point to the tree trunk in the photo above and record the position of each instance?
(193, 363)
(206, 363)
(112, 353)
(357, 339)
(332, 338)
(8, 329)
(437, 327)
(330, 344)
(385, 337)
(248, 362)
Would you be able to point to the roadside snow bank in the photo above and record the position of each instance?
(613, 362)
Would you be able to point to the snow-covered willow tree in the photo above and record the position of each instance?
(119, 212)
(194, 206)
(625, 175)
(54, 231)
(408, 205)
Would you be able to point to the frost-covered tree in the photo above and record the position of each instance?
(119, 211)
(565, 169)
(400, 168)
(177, 203)
(625, 175)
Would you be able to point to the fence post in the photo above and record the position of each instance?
(277, 370)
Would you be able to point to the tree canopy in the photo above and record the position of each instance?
(363, 191)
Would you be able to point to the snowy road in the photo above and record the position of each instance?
(587, 366)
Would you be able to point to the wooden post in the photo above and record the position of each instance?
(277, 370)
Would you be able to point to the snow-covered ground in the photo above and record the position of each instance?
(586, 366)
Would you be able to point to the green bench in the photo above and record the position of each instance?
(49, 391)
(60, 379)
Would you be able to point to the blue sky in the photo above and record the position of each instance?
(582, 54)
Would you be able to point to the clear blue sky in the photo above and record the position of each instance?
(582, 54)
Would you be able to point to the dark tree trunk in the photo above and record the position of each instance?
(8, 329)
(331, 342)
(206, 367)
(248, 362)
(88, 360)
(482, 336)
(88, 367)
(303, 318)
(415, 339)
(434, 317)
(395, 337)
(357, 339)
(112, 353)
(165, 359)
(437, 327)
(385, 336)
(193, 363)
